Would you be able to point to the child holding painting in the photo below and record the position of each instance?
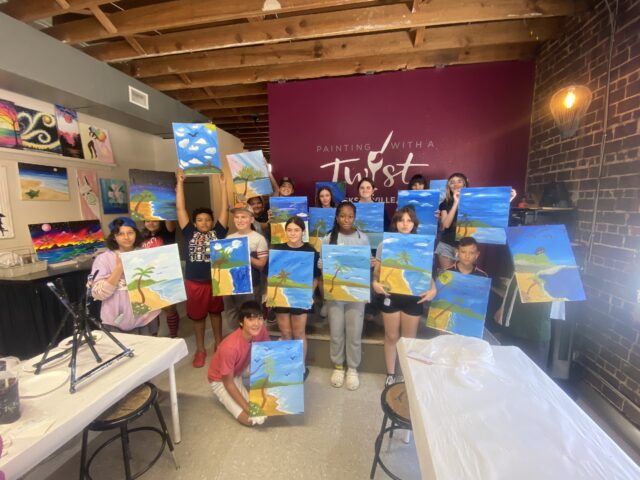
(198, 232)
(417, 182)
(324, 198)
(468, 252)
(446, 248)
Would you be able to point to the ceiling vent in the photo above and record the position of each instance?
(138, 97)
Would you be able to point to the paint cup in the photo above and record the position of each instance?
(9, 394)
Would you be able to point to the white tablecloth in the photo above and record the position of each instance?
(503, 421)
(72, 412)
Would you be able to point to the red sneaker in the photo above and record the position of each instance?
(198, 359)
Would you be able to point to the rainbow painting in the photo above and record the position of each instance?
(66, 241)
(9, 126)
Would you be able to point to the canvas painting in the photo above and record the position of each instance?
(441, 186)
(6, 224)
(88, 191)
(230, 267)
(460, 306)
(9, 125)
(282, 209)
(64, 241)
(346, 272)
(276, 380)
(370, 220)
(68, 131)
(425, 203)
(42, 182)
(406, 263)
(154, 278)
(338, 190)
(95, 143)
(113, 192)
(197, 147)
(320, 224)
(38, 130)
(250, 174)
(290, 280)
(545, 267)
(484, 214)
(152, 195)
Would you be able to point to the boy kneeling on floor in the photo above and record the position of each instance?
(232, 358)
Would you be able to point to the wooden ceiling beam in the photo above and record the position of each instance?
(28, 11)
(228, 91)
(243, 128)
(235, 112)
(103, 19)
(217, 103)
(244, 120)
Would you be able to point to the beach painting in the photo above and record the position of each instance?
(290, 280)
(370, 220)
(68, 131)
(113, 192)
(154, 278)
(338, 190)
(441, 186)
(425, 203)
(38, 131)
(484, 214)
(545, 267)
(282, 209)
(88, 191)
(9, 126)
(95, 143)
(250, 174)
(276, 378)
(406, 263)
(320, 224)
(152, 195)
(460, 306)
(230, 266)
(197, 148)
(346, 273)
(66, 241)
(6, 224)
(42, 182)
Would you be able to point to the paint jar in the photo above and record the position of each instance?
(9, 394)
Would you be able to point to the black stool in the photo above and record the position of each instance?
(133, 406)
(395, 406)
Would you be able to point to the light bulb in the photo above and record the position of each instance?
(569, 99)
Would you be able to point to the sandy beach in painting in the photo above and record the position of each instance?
(271, 406)
(152, 299)
(280, 300)
(394, 277)
(144, 212)
(223, 284)
(45, 192)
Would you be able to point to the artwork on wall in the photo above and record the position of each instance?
(38, 130)
(152, 195)
(9, 126)
(95, 143)
(42, 182)
(230, 266)
(346, 272)
(320, 224)
(460, 306)
(370, 220)
(425, 203)
(88, 191)
(197, 148)
(282, 209)
(6, 224)
(406, 263)
(64, 241)
(68, 131)
(276, 382)
(250, 174)
(545, 267)
(114, 195)
(154, 278)
(484, 214)
(290, 280)
(441, 186)
(338, 190)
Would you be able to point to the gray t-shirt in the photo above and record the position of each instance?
(355, 238)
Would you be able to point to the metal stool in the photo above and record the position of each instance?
(395, 406)
(133, 406)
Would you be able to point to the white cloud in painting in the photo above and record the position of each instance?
(211, 150)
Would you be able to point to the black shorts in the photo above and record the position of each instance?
(291, 311)
(406, 304)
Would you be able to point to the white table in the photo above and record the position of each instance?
(72, 412)
(515, 423)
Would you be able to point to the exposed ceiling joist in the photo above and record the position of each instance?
(216, 103)
(30, 10)
(227, 91)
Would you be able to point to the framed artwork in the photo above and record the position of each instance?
(6, 223)
(113, 192)
(483, 214)
(406, 263)
(320, 224)
(38, 131)
(425, 203)
(9, 125)
(197, 148)
(152, 195)
(95, 143)
(43, 182)
(66, 241)
(282, 209)
(68, 131)
(230, 266)
(250, 174)
(88, 191)
(370, 220)
(338, 190)
(346, 272)
(290, 280)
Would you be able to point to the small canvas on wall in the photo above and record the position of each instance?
(42, 182)
(95, 143)
(88, 191)
(152, 195)
(63, 241)
(6, 224)
(197, 148)
(230, 267)
(113, 192)
(290, 281)
(9, 126)
(38, 131)
(250, 174)
(68, 131)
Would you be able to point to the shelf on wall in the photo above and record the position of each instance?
(52, 156)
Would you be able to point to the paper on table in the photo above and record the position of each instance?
(27, 428)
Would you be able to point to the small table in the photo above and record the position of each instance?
(518, 424)
(72, 412)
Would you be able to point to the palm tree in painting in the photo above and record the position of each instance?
(248, 174)
(283, 276)
(339, 269)
(360, 225)
(144, 196)
(404, 257)
(141, 274)
(268, 369)
(321, 225)
(464, 223)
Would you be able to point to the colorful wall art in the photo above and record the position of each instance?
(197, 147)
(152, 195)
(425, 203)
(88, 191)
(38, 130)
(42, 182)
(95, 143)
(320, 224)
(6, 223)
(114, 196)
(460, 306)
(68, 131)
(290, 280)
(370, 220)
(282, 209)
(346, 272)
(441, 186)
(545, 267)
(9, 126)
(276, 381)
(230, 266)
(406, 263)
(154, 278)
(484, 214)
(338, 190)
(64, 241)
(250, 174)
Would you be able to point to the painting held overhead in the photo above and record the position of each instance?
(6, 223)
(152, 195)
(38, 130)
(197, 148)
(95, 143)
(65, 241)
(484, 214)
(9, 125)
(114, 196)
(250, 174)
(42, 182)
(68, 131)
(425, 203)
(346, 272)
(290, 280)
(320, 224)
(406, 263)
(230, 267)
(282, 209)
(88, 191)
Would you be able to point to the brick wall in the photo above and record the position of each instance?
(607, 333)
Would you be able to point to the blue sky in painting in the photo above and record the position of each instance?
(425, 203)
(356, 257)
(326, 214)
(553, 239)
(338, 189)
(165, 261)
(288, 361)
(298, 264)
(489, 205)
(440, 185)
(237, 248)
(419, 247)
(285, 207)
(256, 161)
(370, 216)
(196, 145)
(54, 178)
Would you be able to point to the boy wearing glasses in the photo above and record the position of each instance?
(232, 358)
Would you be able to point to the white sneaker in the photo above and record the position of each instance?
(337, 377)
(390, 380)
(353, 382)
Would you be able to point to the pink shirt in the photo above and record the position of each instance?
(233, 355)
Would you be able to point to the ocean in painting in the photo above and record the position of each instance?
(320, 223)
(370, 220)
(250, 174)
(425, 203)
(282, 209)
(230, 266)
(484, 214)
(290, 280)
(346, 271)
(152, 195)
(171, 290)
(43, 182)
(407, 260)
